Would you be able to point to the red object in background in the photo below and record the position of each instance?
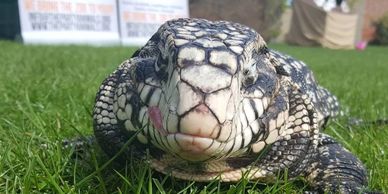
(361, 45)
(374, 10)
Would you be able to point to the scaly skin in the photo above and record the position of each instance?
(209, 101)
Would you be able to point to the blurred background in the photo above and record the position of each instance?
(339, 24)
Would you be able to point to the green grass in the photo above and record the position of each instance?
(47, 93)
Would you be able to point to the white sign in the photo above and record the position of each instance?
(140, 19)
(69, 21)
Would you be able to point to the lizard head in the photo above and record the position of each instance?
(212, 82)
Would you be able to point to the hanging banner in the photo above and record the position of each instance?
(69, 21)
(140, 19)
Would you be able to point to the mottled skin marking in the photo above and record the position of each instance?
(210, 101)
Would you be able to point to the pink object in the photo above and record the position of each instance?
(361, 45)
(156, 119)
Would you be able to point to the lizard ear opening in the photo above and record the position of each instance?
(279, 68)
(281, 71)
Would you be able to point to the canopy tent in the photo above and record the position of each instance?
(311, 25)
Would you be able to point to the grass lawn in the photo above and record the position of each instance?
(47, 94)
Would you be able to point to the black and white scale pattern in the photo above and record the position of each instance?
(209, 100)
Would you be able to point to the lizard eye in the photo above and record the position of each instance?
(161, 68)
(249, 78)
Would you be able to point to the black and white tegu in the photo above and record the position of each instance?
(209, 100)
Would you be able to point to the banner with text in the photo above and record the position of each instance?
(140, 19)
(69, 21)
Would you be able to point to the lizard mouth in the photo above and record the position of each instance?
(196, 139)
(194, 148)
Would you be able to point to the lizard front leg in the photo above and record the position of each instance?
(336, 170)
